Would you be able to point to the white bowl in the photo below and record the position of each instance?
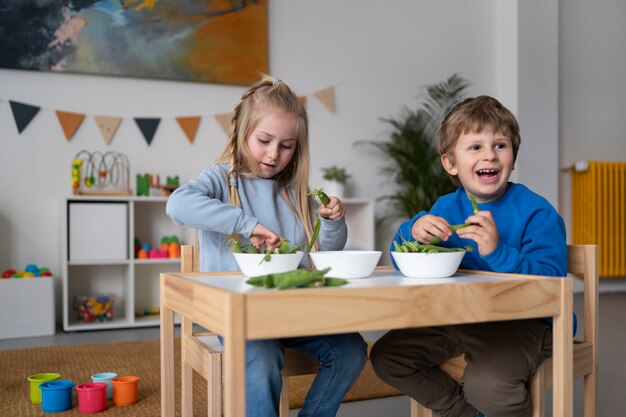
(347, 264)
(428, 265)
(252, 264)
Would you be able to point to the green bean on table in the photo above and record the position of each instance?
(299, 278)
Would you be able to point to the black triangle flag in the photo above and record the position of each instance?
(148, 127)
(23, 114)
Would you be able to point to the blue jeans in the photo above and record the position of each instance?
(341, 359)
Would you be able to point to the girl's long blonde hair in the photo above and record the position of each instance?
(266, 95)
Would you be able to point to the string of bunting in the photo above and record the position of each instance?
(24, 113)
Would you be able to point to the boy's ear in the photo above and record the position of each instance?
(448, 165)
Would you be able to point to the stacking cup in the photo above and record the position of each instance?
(125, 390)
(34, 382)
(56, 396)
(92, 397)
(106, 378)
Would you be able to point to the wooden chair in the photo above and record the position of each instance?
(202, 352)
(583, 261)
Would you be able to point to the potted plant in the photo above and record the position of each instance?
(335, 180)
(411, 154)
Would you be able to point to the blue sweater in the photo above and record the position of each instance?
(203, 204)
(532, 233)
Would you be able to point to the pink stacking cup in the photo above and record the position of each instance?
(92, 397)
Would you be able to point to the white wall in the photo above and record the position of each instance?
(592, 101)
(377, 55)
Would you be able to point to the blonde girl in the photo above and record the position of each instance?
(258, 191)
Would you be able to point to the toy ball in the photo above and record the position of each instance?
(28, 275)
(31, 268)
(146, 247)
(46, 274)
(142, 254)
(8, 273)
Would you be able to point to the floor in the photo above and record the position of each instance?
(612, 366)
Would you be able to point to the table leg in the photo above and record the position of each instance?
(234, 357)
(563, 353)
(168, 400)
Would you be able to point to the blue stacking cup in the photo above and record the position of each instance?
(56, 395)
(105, 377)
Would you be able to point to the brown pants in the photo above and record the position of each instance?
(501, 357)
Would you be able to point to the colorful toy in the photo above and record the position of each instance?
(169, 248)
(146, 181)
(30, 271)
(91, 309)
(100, 173)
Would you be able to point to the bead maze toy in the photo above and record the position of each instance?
(98, 173)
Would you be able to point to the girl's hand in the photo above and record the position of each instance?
(429, 226)
(483, 231)
(261, 235)
(334, 210)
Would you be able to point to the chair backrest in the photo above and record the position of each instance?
(582, 261)
(189, 258)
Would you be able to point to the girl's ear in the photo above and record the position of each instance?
(448, 165)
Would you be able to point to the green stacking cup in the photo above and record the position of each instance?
(34, 382)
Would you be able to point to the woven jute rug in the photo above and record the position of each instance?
(78, 362)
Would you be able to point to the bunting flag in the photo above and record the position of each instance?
(70, 122)
(189, 126)
(23, 114)
(327, 97)
(108, 126)
(224, 120)
(148, 127)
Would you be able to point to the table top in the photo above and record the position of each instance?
(236, 282)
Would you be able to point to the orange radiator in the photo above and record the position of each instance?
(599, 213)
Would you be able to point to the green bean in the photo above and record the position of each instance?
(316, 232)
(414, 247)
(236, 247)
(319, 193)
(474, 204)
(437, 240)
(288, 280)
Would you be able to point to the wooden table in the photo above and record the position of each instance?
(223, 303)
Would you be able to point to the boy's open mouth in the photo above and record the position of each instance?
(487, 174)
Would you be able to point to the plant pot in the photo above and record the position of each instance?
(335, 189)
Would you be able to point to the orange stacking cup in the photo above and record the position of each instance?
(125, 390)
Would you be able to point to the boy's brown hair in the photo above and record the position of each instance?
(475, 115)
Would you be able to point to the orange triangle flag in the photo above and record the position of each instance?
(108, 126)
(69, 122)
(327, 97)
(224, 120)
(303, 101)
(189, 126)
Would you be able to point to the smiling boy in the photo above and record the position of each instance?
(514, 231)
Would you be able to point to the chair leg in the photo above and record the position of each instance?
(186, 389)
(417, 410)
(537, 392)
(591, 395)
(214, 386)
(283, 408)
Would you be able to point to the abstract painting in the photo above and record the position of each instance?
(217, 41)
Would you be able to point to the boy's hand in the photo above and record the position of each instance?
(429, 226)
(334, 210)
(483, 231)
(261, 235)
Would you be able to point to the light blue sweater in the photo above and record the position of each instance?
(203, 204)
